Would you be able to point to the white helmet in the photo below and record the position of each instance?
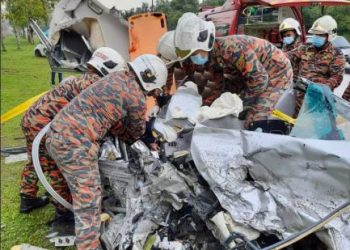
(191, 34)
(290, 24)
(106, 60)
(166, 48)
(151, 71)
(325, 25)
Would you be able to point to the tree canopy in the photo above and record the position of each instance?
(338, 13)
(173, 9)
(18, 12)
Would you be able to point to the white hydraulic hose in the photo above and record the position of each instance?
(39, 171)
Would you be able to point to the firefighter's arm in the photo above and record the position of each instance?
(336, 72)
(295, 56)
(169, 82)
(255, 75)
(134, 125)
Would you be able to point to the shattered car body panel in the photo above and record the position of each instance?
(156, 204)
(234, 182)
(275, 183)
(268, 184)
(79, 27)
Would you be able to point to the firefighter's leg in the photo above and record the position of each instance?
(29, 179)
(79, 166)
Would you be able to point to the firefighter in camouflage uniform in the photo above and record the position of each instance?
(114, 104)
(319, 62)
(43, 111)
(290, 32)
(264, 70)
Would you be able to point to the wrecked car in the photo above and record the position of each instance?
(216, 186)
(212, 185)
(78, 28)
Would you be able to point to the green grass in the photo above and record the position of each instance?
(22, 76)
(20, 228)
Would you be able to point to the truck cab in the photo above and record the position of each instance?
(259, 18)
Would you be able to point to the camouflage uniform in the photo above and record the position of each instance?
(37, 117)
(264, 70)
(324, 66)
(346, 94)
(116, 103)
(290, 47)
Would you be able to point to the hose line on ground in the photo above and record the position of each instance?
(39, 171)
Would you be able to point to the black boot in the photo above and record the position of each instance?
(29, 203)
(61, 215)
(63, 224)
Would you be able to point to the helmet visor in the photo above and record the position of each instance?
(182, 53)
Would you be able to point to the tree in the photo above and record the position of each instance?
(3, 35)
(18, 12)
(144, 8)
(172, 9)
(213, 2)
(340, 14)
(175, 8)
(5, 30)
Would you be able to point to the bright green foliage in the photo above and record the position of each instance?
(179, 7)
(173, 9)
(340, 14)
(19, 11)
(213, 2)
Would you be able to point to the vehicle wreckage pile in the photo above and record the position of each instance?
(212, 185)
(215, 186)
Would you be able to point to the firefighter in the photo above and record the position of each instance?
(319, 62)
(114, 104)
(104, 60)
(166, 52)
(185, 70)
(265, 70)
(166, 49)
(290, 32)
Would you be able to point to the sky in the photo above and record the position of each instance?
(128, 4)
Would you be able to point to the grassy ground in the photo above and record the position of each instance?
(22, 76)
